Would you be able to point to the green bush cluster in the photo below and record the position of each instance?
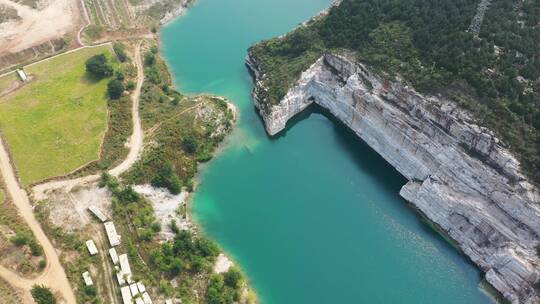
(119, 50)
(167, 178)
(186, 253)
(98, 66)
(23, 238)
(224, 288)
(42, 295)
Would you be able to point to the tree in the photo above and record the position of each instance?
(20, 239)
(98, 66)
(130, 85)
(115, 88)
(42, 295)
(233, 278)
(167, 178)
(190, 144)
(149, 58)
(119, 49)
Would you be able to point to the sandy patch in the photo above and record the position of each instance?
(37, 26)
(166, 206)
(223, 264)
(69, 210)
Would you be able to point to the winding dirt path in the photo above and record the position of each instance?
(53, 275)
(135, 144)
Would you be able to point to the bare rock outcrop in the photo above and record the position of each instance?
(460, 175)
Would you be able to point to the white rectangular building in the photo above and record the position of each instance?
(87, 279)
(146, 298)
(102, 217)
(134, 289)
(139, 301)
(92, 249)
(120, 277)
(114, 238)
(141, 287)
(124, 268)
(126, 295)
(22, 75)
(114, 256)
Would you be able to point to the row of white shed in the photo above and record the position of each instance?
(131, 291)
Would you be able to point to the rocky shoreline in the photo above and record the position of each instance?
(459, 174)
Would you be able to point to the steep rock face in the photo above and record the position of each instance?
(460, 176)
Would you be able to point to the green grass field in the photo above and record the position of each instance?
(56, 123)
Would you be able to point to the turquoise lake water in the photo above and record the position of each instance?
(312, 216)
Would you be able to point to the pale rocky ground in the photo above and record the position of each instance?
(166, 208)
(484, 204)
(53, 20)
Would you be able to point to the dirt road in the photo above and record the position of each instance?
(135, 144)
(53, 275)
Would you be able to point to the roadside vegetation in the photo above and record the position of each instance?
(19, 250)
(56, 123)
(495, 75)
(42, 295)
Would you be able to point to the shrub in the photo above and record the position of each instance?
(115, 88)
(94, 31)
(149, 58)
(190, 144)
(233, 278)
(119, 49)
(167, 178)
(90, 291)
(174, 227)
(130, 85)
(20, 239)
(175, 101)
(156, 227)
(98, 66)
(120, 75)
(36, 248)
(42, 295)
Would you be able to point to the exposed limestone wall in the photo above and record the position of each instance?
(459, 175)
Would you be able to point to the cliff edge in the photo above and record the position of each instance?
(459, 174)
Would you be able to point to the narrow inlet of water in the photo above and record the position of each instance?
(312, 216)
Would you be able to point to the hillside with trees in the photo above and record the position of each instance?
(494, 73)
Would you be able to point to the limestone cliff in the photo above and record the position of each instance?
(460, 175)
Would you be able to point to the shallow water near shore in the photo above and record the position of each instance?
(314, 215)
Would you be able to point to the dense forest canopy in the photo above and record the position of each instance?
(494, 73)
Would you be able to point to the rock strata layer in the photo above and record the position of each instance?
(459, 174)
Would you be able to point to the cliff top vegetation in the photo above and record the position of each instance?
(494, 73)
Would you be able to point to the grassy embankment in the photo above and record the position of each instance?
(18, 247)
(56, 123)
(494, 75)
